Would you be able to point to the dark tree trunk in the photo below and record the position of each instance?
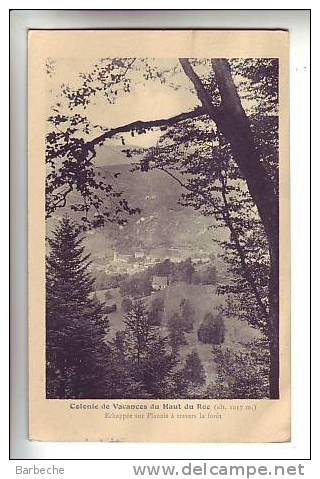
(233, 123)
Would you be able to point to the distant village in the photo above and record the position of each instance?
(120, 262)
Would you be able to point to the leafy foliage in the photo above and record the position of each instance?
(176, 332)
(242, 374)
(156, 311)
(212, 329)
(136, 286)
(199, 158)
(187, 312)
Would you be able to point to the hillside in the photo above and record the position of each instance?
(204, 299)
(163, 222)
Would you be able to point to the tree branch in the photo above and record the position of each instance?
(145, 125)
(201, 92)
(227, 219)
(60, 201)
(241, 253)
(168, 172)
(233, 123)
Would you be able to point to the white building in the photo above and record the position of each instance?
(160, 282)
(121, 258)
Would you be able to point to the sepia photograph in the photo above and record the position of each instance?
(159, 240)
(162, 228)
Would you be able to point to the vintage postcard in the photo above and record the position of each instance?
(159, 253)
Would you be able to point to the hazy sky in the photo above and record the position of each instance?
(149, 100)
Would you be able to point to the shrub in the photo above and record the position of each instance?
(212, 329)
(193, 370)
(126, 304)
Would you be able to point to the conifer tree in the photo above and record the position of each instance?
(176, 333)
(193, 370)
(76, 353)
(212, 329)
(121, 384)
(147, 355)
(187, 314)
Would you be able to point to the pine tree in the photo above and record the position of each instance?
(76, 353)
(176, 333)
(187, 314)
(147, 356)
(212, 329)
(193, 370)
(139, 332)
(120, 381)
